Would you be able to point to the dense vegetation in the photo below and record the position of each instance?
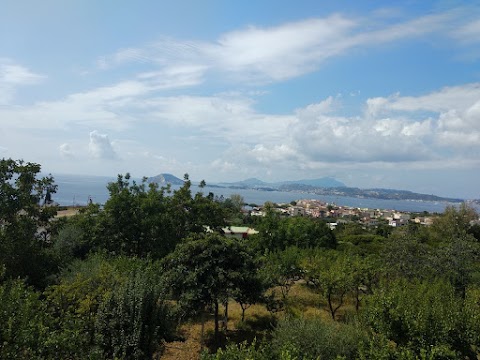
(120, 281)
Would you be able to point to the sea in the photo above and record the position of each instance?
(78, 190)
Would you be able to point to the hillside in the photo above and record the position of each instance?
(163, 179)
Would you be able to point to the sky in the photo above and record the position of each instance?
(373, 93)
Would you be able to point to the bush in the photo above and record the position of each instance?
(315, 338)
(241, 351)
(425, 316)
(132, 320)
(102, 306)
(22, 322)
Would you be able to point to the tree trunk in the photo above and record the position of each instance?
(225, 316)
(330, 306)
(202, 332)
(357, 299)
(216, 323)
(333, 310)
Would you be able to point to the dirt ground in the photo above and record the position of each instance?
(68, 212)
(257, 323)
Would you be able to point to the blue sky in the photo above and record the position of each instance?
(375, 94)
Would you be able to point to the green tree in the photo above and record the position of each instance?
(406, 257)
(278, 233)
(418, 316)
(205, 271)
(475, 231)
(250, 291)
(282, 269)
(24, 223)
(306, 232)
(268, 237)
(139, 221)
(453, 224)
(330, 273)
(23, 328)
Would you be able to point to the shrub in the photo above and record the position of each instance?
(315, 338)
(241, 351)
(425, 315)
(22, 322)
(132, 320)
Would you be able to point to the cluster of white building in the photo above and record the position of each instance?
(368, 217)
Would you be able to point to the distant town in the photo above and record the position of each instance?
(335, 214)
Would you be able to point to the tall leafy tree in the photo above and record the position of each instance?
(23, 220)
(205, 271)
(144, 219)
(278, 233)
(330, 273)
(453, 224)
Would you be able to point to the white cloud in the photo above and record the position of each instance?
(105, 107)
(340, 139)
(324, 107)
(223, 165)
(100, 146)
(270, 54)
(468, 32)
(420, 129)
(447, 98)
(66, 151)
(455, 114)
(227, 117)
(273, 154)
(15, 74)
(12, 76)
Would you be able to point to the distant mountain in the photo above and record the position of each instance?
(164, 179)
(332, 187)
(253, 181)
(325, 182)
(321, 186)
(248, 183)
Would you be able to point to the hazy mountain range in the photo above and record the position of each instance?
(320, 186)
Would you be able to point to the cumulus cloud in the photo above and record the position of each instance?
(100, 146)
(341, 139)
(454, 113)
(273, 154)
(435, 128)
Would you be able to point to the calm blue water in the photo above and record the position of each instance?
(76, 190)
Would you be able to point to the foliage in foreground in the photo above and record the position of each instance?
(102, 309)
(424, 316)
(299, 338)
